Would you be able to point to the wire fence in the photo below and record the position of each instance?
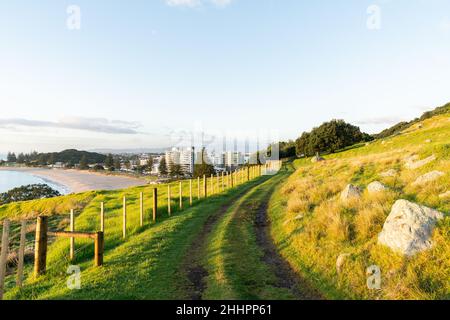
(18, 248)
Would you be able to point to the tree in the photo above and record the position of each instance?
(30, 192)
(117, 164)
(21, 158)
(162, 166)
(176, 170)
(329, 137)
(83, 163)
(51, 159)
(11, 157)
(203, 168)
(109, 161)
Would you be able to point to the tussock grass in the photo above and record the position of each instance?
(326, 227)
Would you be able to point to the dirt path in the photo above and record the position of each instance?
(286, 276)
(192, 266)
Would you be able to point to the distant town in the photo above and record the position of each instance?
(175, 162)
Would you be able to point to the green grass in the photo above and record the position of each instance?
(143, 266)
(233, 257)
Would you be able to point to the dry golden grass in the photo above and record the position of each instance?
(314, 226)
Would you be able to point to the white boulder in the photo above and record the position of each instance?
(340, 261)
(428, 177)
(350, 192)
(375, 187)
(409, 227)
(411, 164)
(445, 195)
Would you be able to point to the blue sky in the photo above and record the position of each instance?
(139, 73)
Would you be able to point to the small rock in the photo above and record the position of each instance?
(349, 192)
(411, 158)
(375, 187)
(411, 164)
(428, 141)
(445, 195)
(389, 173)
(317, 159)
(340, 261)
(298, 217)
(428, 177)
(409, 227)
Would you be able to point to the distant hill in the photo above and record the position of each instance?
(399, 127)
(70, 156)
(74, 156)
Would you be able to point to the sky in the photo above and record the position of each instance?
(96, 74)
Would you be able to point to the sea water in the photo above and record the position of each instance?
(13, 179)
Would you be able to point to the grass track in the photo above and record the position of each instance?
(235, 260)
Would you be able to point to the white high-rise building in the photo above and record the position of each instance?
(182, 157)
(233, 159)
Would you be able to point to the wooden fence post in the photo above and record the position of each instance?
(72, 239)
(4, 256)
(232, 179)
(124, 221)
(169, 210)
(102, 217)
(218, 182)
(190, 192)
(198, 188)
(212, 184)
(23, 235)
(181, 195)
(155, 203)
(222, 186)
(40, 247)
(141, 203)
(99, 248)
(205, 187)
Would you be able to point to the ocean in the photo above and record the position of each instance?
(13, 179)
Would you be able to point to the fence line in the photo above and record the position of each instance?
(220, 183)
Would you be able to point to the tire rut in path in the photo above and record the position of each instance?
(286, 276)
(192, 266)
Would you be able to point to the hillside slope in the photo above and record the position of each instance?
(312, 228)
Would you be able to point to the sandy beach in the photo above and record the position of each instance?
(79, 181)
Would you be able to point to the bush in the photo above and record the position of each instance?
(330, 137)
(29, 192)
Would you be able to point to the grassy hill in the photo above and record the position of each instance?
(222, 247)
(139, 267)
(311, 227)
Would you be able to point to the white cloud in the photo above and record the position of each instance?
(196, 3)
(77, 123)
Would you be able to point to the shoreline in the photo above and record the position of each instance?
(76, 181)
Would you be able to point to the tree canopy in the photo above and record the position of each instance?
(329, 137)
(29, 192)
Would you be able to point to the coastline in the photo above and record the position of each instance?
(75, 181)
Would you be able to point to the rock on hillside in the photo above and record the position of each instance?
(445, 195)
(428, 177)
(389, 173)
(350, 192)
(375, 187)
(317, 159)
(409, 227)
(411, 164)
